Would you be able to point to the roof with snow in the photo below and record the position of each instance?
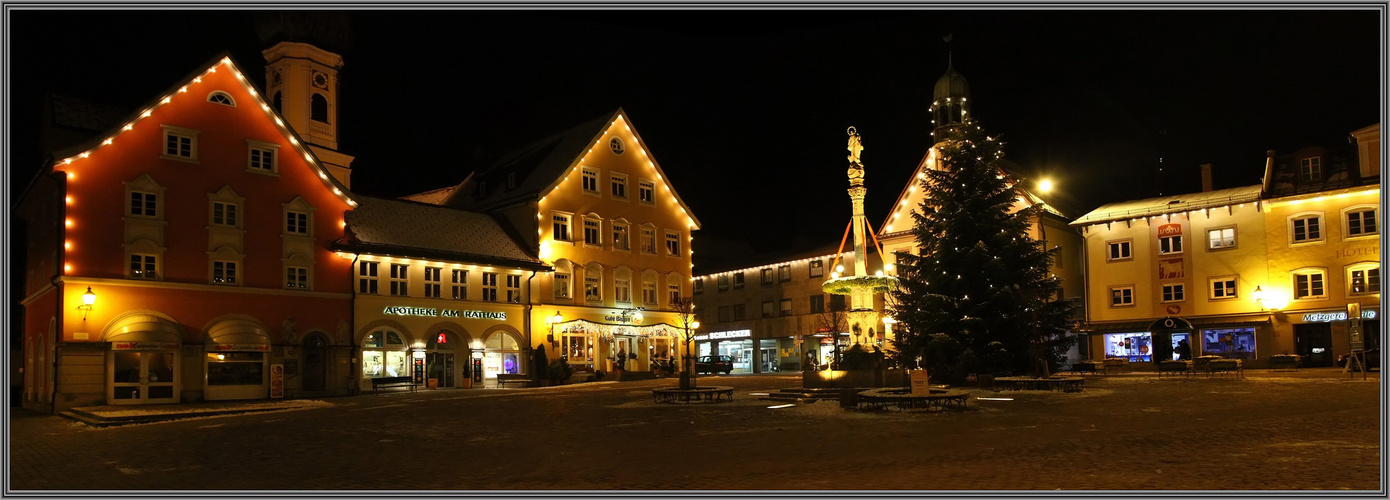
(421, 230)
(1170, 204)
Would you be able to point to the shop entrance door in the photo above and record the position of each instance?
(142, 377)
(315, 369)
(1314, 343)
(441, 366)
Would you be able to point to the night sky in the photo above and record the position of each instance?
(746, 110)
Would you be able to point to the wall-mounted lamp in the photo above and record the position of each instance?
(1259, 295)
(552, 321)
(88, 299)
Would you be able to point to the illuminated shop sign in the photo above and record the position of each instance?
(733, 334)
(442, 313)
(1328, 317)
(128, 346)
(241, 347)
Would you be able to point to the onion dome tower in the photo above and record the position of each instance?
(950, 106)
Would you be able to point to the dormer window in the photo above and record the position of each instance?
(1310, 169)
(222, 98)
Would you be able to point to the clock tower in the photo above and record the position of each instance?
(302, 85)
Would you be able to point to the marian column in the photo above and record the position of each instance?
(861, 307)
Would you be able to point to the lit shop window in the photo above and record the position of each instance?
(1136, 347)
(384, 355)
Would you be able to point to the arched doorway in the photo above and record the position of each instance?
(501, 354)
(315, 362)
(440, 361)
(142, 361)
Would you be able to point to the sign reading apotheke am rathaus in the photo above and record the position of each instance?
(433, 312)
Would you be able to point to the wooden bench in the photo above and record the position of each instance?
(1285, 362)
(1064, 384)
(712, 394)
(1174, 367)
(940, 399)
(1226, 366)
(1116, 364)
(1081, 367)
(513, 378)
(379, 382)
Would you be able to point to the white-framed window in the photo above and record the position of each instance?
(144, 204)
(1305, 228)
(767, 309)
(562, 285)
(618, 185)
(1170, 245)
(766, 276)
(180, 143)
(620, 236)
(560, 226)
(1364, 279)
(514, 288)
(616, 146)
(722, 283)
(223, 98)
(1118, 250)
(296, 222)
(143, 267)
(1221, 238)
(649, 240)
(1310, 169)
(1121, 296)
(649, 291)
(646, 191)
(261, 157)
(593, 232)
(738, 279)
(673, 244)
(296, 278)
(1309, 284)
(224, 272)
(490, 287)
(1223, 287)
(699, 286)
(622, 291)
(590, 176)
(1361, 221)
(433, 287)
(1173, 292)
(224, 214)
(367, 278)
(400, 280)
(784, 272)
(459, 282)
(817, 268)
(785, 307)
(673, 292)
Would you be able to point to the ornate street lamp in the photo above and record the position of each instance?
(88, 299)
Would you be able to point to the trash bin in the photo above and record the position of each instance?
(849, 398)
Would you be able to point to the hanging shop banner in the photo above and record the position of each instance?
(241, 347)
(131, 346)
(277, 381)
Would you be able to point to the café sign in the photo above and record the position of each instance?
(432, 312)
(1328, 317)
(241, 347)
(130, 346)
(733, 334)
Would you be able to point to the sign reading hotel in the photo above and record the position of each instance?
(732, 334)
(431, 312)
(1328, 317)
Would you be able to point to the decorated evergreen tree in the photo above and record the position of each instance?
(979, 297)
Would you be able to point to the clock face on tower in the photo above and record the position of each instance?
(320, 80)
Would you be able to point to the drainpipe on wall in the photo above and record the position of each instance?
(353, 384)
(1085, 290)
(526, 325)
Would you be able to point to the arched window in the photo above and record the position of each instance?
(501, 355)
(222, 98)
(276, 102)
(318, 108)
(384, 354)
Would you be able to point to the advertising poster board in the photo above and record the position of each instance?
(919, 383)
(277, 381)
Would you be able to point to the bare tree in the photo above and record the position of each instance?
(834, 318)
(685, 309)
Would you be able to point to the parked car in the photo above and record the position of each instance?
(1372, 359)
(713, 364)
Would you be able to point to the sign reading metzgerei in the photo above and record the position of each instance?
(443, 313)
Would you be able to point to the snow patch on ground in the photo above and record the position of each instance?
(298, 404)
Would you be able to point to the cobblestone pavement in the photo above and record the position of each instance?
(1298, 431)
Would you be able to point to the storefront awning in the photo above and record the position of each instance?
(143, 328)
(238, 331)
(1246, 320)
(1117, 327)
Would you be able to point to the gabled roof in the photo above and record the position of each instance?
(537, 168)
(421, 230)
(1338, 165)
(902, 206)
(80, 152)
(1170, 204)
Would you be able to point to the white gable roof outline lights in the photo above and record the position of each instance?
(619, 118)
(168, 97)
(902, 206)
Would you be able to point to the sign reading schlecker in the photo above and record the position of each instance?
(734, 334)
(443, 313)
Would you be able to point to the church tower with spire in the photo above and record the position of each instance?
(950, 106)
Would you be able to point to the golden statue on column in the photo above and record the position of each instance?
(860, 285)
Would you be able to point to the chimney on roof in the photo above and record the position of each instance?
(1206, 177)
(1269, 173)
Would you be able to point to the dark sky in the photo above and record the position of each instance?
(746, 110)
